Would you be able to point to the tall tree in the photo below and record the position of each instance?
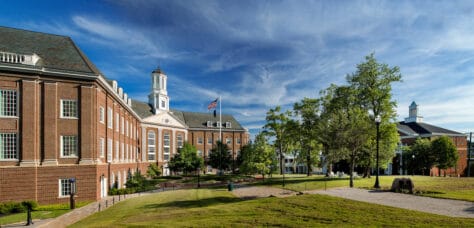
(257, 157)
(421, 155)
(372, 83)
(186, 160)
(220, 157)
(445, 151)
(278, 127)
(351, 125)
(308, 112)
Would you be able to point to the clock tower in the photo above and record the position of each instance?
(158, 97)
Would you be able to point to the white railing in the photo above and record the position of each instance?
(9, 57)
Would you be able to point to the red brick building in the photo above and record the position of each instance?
(413, 127)
(62, 121)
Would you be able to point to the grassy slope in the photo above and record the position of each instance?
(217, 207)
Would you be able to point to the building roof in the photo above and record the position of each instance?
(191, 119)
(418, 129)
(56, 52)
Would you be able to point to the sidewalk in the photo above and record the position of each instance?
(447, 207)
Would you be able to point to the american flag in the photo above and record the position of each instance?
(213, 104)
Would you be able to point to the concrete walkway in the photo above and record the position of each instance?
(452, 208)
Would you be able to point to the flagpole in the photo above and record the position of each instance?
(220, 118)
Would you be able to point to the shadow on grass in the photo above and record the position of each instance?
(277, 181)
(194, 203)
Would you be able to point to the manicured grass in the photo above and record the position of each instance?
(440, 187)
(41, 212)
(217, 207)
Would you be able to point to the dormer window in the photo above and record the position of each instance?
(209, 123)
(228, 125)
(219, 124)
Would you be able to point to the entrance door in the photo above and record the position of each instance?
(103, 187)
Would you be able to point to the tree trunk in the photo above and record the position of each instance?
(281, 160)
(308, 164)
(351, 171)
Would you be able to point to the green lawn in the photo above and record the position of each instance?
(217, 207)
(42, 212)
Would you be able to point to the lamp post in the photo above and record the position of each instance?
(378, 119)
(413, 166)
(199, 171)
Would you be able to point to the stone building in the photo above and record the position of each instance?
(63, 124)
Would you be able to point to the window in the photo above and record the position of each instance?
(218, 124)
(179, 140)
(166, 146)
(117, 119)
(117, 150)
(69, 109)
(8, 145)
(65, 187)
(101, 114)
(238, 140)
(228, 125)
(109, 150)
(122, 152)
(8, 102)
(126, 128)
(163, 104)
(151, 146)
(101, 147)
(68, 146)
(199, 153)
(209, 123)
(228, 141)
(199, 140)
(109, 118)
(122, 124)
(209, 140)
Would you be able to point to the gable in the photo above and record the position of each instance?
(165, 119)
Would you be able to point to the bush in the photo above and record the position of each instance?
(16, 207)
(153, 171)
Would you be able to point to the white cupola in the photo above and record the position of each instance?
(413, 114)
(158, 97)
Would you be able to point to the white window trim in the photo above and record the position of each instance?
(60, 188)
(117, 122)
(101, 115)
(61, 148)
(62, 106)
(110, 118)
(151, 146)
(102, 147)
(16, 148)
(17, 104)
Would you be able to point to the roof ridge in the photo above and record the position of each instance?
(26, 30)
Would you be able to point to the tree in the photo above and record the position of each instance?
(220, 157)
(257, 157)
(349, 124)
(308, 111)
(445, 151)
(278, 127)
(186, 160)
(424, 159)
(372, 85)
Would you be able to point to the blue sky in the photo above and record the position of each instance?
(259, 54)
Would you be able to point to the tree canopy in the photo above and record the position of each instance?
(186, 160)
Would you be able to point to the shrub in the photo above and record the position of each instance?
(153, 171)
(16, 207)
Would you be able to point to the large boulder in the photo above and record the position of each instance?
(402, 185)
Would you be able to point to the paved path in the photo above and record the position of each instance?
(453, 208)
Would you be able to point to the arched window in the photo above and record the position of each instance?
(151, 146)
